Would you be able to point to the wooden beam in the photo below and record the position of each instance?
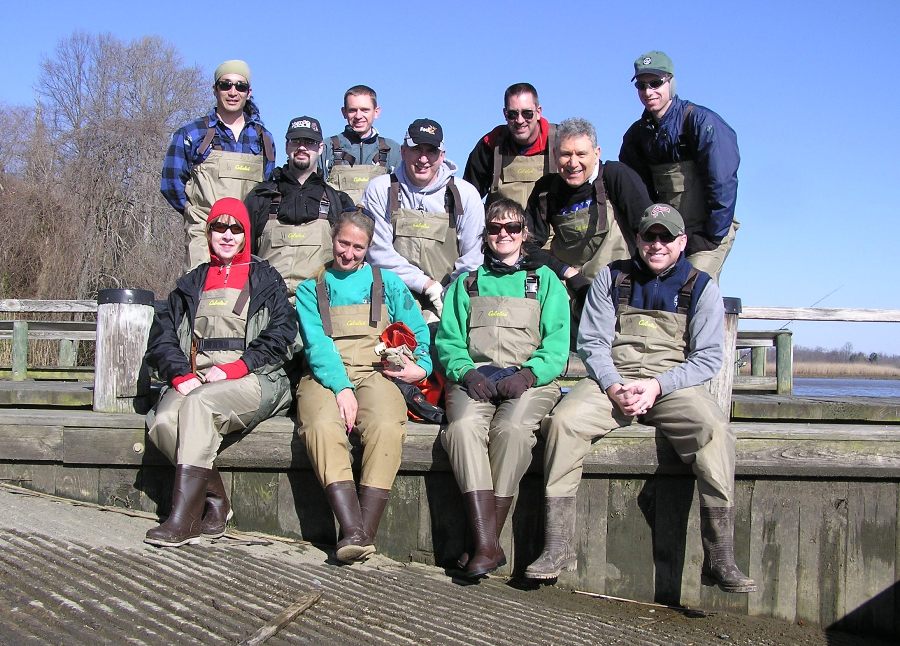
(19, 350)
(25, 305)
(820, 314)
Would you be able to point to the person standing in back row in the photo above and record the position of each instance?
(222, 154)
(688, 157)
(359, 153)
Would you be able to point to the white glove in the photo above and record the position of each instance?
(434, 294)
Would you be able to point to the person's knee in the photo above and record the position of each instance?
(514, 438)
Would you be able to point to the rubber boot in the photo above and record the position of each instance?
(501, 505)
(559, 540)
(188, 499)
(482, 515)
(355, 544)
(218, 508)
(372, 502)
(717, 535)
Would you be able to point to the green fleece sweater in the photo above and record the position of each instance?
(549, 359)
(353, 288)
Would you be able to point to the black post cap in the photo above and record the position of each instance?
(127, 296)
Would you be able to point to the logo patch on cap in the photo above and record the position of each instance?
(659, 210)
(647, 60)
(428, 129)
(304, 123)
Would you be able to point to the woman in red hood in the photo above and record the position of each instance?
(220, 345)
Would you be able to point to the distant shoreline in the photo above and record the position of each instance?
(842, 370)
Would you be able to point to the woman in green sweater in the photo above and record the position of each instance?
(342, 313)
(503, 340)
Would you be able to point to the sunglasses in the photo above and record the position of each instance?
(512, 115)
(221, 227)
(224, 85)
(663, 236)
(309, 144)
(512, 228)
(655, 84)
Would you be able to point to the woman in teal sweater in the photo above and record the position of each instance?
(503, 340)
(342, 313)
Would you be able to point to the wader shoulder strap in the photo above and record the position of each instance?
(687, 134)
(384, 150)
(377, 298)
(498, 165)
(393, 194)
(622, 285)
(207, 140)
(324, 204)
(274, 205)
(471, 283)
(686, 293)
(598, 206)
(453, 203)
(340, 156)
(551, 163)
(324, 305)
(531, 284)
(268, 144)
(242, 298)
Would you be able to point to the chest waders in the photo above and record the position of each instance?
(681, 185)
(427, 240)
(504, 331)
(220, 327)
(296, 251)
(221, 174)
(355, 328)
(515, 175)
(591, 237)
(351, 177)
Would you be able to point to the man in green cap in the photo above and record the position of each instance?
(222, 154)
(650, 336)
(688, 157)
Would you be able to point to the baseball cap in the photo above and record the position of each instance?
(304, 127)
(425, 131)
(654, 62)
(663, 215)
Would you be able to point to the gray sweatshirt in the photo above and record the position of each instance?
(706, 331)
(469, 227)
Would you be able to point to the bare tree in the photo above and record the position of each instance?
(86, 203)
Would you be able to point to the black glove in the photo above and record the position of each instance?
(698, 242)
(514, 386)
(479, 387)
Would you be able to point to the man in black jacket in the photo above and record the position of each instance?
(291, 215)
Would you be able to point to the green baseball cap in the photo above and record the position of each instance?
(654, 62)
(665, 216)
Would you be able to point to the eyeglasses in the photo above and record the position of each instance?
(221, 227)
(663, 236)
(655, 84)
(512, 228)
(512, 115)
(309, 144)
(224, 85)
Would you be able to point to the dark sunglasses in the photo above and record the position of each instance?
(512, 228)
(512, 115)
(663, 236)
(655, 84)
(221, 227)
(241, 86)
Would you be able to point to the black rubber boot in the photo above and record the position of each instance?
(372, 502)
(218, 508)
(188, 499)
(501, 505)
(559, 540)
(482, 515)
(717, 535)
(355, 544)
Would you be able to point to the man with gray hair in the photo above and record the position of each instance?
(592, 207)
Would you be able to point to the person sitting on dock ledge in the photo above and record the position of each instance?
(345, 389)
(220, 344)
(651, 334)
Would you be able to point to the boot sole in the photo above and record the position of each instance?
(217, 533)
(738, 589)
(354, 553)
(484, 571)
(158, 542)
(545, 576)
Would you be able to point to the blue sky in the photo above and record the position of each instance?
(809, 87)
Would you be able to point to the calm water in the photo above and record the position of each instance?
(846, 387)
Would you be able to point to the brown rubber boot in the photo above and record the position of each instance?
(559, 540)
(717, 536)
(482, 513)
(188, 498)
(501, 505)
(372, 502)
(218, 508)
(355, 544)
